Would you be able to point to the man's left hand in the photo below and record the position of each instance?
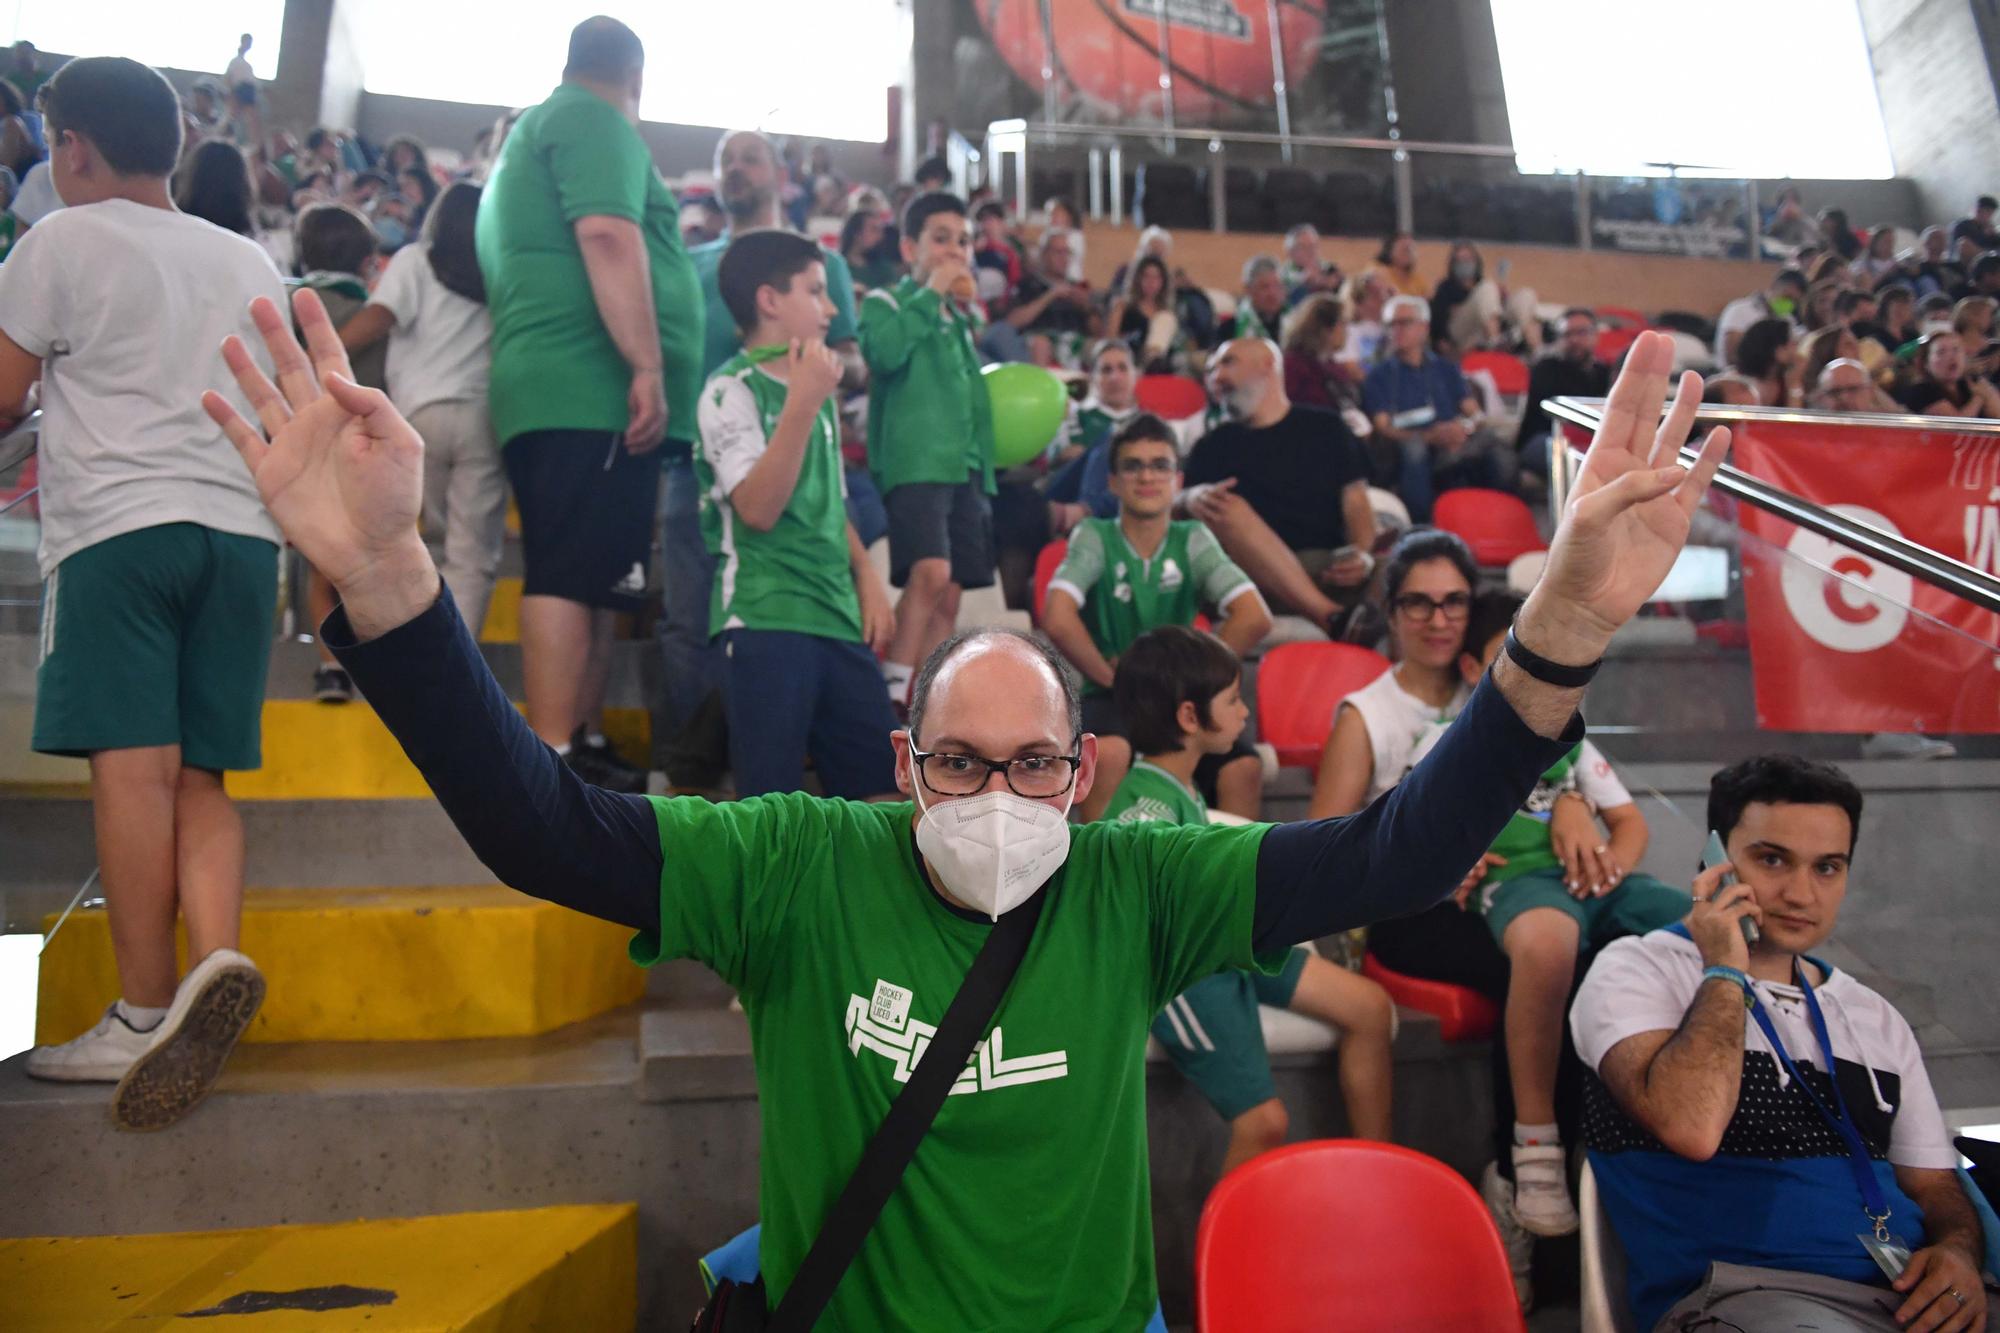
(1628, 514)
(1350, 571)
(1945, 1293)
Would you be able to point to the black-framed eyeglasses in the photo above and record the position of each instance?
(1037, 776)
(1132, 467)
(1416, 606)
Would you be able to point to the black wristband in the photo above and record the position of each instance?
(1542, 669)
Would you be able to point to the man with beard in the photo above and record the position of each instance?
(748, 177)
(1284, 488)
(1570, 368)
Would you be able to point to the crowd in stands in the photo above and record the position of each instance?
(767, 376)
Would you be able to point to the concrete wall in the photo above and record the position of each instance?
(1934, 70)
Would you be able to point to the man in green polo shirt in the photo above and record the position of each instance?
(747, 177)
(797, 606)
(1123, 576)
(930, 431)
(597, 335)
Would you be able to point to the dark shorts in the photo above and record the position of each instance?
(1214, 1036)
(587, 511)
(934, 520)
(159, 637)
(1101, 717)
(790, 695)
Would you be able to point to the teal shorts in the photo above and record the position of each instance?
(1213, 1035)
(1640, 903)
(159, 637)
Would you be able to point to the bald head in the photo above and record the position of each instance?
(607, 57)
(746, 179)
(1844, 386)
(1245, 378)
(994, 677)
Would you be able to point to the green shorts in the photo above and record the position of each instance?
(1213, 1035)
(1640, 903)
(158, 637)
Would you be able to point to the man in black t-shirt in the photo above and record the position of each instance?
(1284, 488)
(1570, 369)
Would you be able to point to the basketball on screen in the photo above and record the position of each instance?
(1107, 52)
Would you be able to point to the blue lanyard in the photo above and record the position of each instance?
(1858, 1159)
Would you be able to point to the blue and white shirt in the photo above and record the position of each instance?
(1779, 1192)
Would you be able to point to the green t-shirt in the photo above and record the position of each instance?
(797, 576)
(817, 912)
(1148, 793)
(928, 415)
(1525, 839)
(555, 366)
(720, 341)
(1122, 596)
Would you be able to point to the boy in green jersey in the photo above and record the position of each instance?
(930, 431)
(1181, 693)
(795, 603)
(1122, 576)
(1550, 887)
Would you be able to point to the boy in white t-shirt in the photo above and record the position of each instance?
(431, 305)
(161, 570)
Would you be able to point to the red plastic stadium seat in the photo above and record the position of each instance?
(1172, 397)
(1047, 562)
(1463, 1014)
(1612, 342)
(1510, 372)
(1298, 687)
(1623, 315)
(1497, 526)
(1338, 1234)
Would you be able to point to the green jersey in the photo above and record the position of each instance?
(1148, 793)
(797, 576)
(720, 338)
(819, 914)
(1122, 595)
(555, 366)
(928, 416)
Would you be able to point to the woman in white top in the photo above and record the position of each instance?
(431, 304)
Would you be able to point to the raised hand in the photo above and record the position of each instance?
(341, 471)
(812, 373)
(1628, 512)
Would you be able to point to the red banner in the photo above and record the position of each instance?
(1839, 642)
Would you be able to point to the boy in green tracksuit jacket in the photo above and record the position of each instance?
(1181, 692)
(930, 431)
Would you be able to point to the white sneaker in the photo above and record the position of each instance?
(1541, 1190)
(1892, 745)
(101, 1055)
(214, 1004)
(1498, 1193)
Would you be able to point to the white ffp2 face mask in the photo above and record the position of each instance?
(995, 849)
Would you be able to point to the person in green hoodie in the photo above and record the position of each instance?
(930, 431)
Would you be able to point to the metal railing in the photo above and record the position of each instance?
(1892, 549)
(1105, 146)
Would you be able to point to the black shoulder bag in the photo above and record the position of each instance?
(736, 1308)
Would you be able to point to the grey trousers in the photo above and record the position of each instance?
(465, 500)
(1771, 1300)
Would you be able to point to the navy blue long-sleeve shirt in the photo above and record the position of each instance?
(543, 831)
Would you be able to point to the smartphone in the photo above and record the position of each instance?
(1714, 855)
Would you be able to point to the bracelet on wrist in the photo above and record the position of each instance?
(1733, 975)
(1542, 669)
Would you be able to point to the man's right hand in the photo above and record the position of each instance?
(342, 472)
(1446, 435)
(1213, 502)
(1713, 922)
(812, 373)
(646, 407)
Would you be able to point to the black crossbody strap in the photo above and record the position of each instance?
(882, 1162)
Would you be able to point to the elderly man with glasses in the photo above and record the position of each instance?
(1420, 402)
(827, 915)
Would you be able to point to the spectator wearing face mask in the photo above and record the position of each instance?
(1780, 300)
(1421, 402)
(1284, 488)
(1470, 310)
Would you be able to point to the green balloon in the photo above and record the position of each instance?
(1029, 404)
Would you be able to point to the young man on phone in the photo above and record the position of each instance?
(1763, 1132)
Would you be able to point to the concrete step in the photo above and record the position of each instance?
(565, 1267)
(374, 965)
(633, 668)
(590, 1113)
